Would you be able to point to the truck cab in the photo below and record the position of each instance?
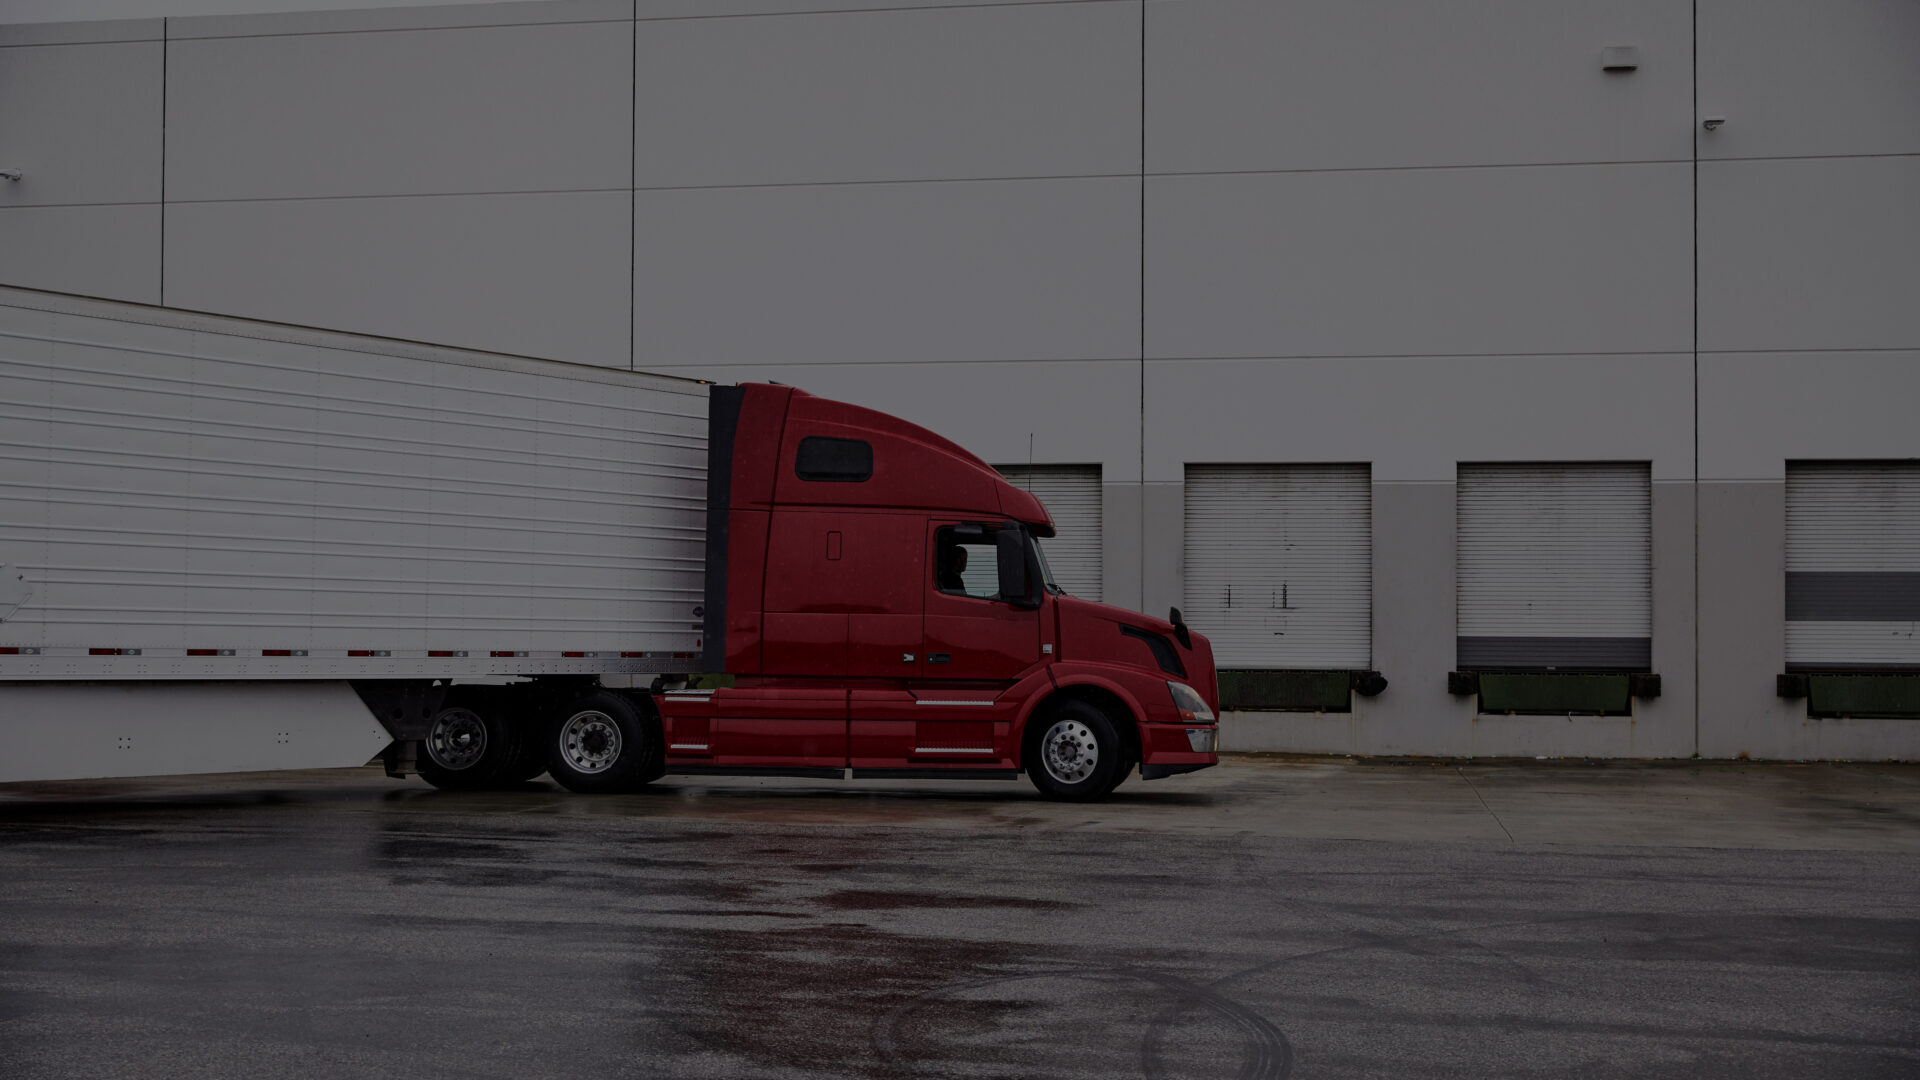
(881, 599)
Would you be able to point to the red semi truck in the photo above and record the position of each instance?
(309, 527)
(880, 599)
(887, 609)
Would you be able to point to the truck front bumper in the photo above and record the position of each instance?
(1157, 772)
(1167, 749)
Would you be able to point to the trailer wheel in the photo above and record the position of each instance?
(1073, 753)
(469, 746)
(600, 743)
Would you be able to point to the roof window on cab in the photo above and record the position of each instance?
(839, 461)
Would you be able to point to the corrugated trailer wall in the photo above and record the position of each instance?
(186, 496)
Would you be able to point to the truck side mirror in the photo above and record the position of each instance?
(1010, 546)
(1180, 630)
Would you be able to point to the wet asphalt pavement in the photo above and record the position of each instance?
(1262, 919)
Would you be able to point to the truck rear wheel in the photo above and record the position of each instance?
(600, 743)
(469, 746)
(1073, 753)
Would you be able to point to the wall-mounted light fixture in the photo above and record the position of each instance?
(1620, 59)
(1711, 122)
(9, 174)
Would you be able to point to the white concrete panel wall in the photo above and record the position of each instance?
(465, 109)
(887, 273)
(1809, 253)
(931, 210)
(536, 274)
(1591, 258)
(1362, 243)
(835, 97)
(1793, 79)
(1415, 418)
(83, 119)
(80, 110)
(1760, 410)
(1252, 85)
(110, 251)
(1809, 233)
(455, 175)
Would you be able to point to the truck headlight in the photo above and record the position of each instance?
(1190, 705)
(1201, 739)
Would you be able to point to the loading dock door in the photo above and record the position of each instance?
(1853, 564)
(1555, 567)
(1279, 564)
(1071, 494)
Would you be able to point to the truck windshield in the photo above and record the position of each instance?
(1046, 572)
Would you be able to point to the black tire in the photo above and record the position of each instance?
(1129, 762)
(598, 742)
(471, 744)
(1072, 753)
(523, 708)
(531, 762)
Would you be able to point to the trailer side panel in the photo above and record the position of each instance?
(186, 496)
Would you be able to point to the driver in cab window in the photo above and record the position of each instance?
(983, 581)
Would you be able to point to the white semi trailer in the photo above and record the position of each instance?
(231, 545)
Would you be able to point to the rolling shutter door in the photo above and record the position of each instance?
(1555, 566)
(1071, 493)
(1853, 564)
(1279, 564)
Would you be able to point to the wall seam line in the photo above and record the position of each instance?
(166, 49)
(633, 180)
(1693, 129)
(1141, 544)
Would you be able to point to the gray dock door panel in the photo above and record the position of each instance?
(1853, 563)
(1555, 566)
(1279, 564)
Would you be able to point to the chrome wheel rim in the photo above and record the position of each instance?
(457, 740)
(1069, 751)
(590, 742)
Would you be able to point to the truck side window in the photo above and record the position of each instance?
(966, 563)
(845, 461)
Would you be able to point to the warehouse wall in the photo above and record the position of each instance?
(453, 174)
(80, 115)
(1364, 244)
(1809, 228)
(1141, 235)
(935, 212)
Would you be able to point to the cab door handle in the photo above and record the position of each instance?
(939, 658)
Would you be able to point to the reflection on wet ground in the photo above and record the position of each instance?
(1270, 919)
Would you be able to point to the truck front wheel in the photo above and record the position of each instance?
(1073, 753)
(600, 743)
(469, 746)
